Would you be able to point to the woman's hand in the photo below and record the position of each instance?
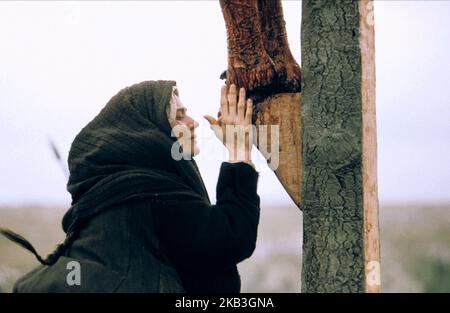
(235, 120)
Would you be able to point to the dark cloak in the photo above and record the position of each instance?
(122, 157)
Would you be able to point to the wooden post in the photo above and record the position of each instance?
(369, 131)
(339, 186)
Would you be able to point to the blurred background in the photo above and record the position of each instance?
(61, 62)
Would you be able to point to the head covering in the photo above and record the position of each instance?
(125, 153)
(174, 105)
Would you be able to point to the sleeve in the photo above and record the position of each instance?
(198, 236)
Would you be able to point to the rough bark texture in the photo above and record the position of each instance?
(259, 57)
(249, 65)
(332, 190)
(275, 41)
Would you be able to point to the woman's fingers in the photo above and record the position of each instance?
(224, 101)
(232, 103)
(249, 112)
(241, 106)
(233, 110)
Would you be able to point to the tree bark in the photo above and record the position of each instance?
(275, 41)
(249, 65)
(333, 189)
(259, 58)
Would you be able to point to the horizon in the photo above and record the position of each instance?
(74, 57)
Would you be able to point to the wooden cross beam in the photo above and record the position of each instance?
(260, 60)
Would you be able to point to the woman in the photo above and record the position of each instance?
(141, 219)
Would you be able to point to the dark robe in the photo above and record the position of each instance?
(141, 221)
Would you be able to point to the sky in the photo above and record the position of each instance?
(61, 62)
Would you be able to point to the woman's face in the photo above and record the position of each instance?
(184, 127)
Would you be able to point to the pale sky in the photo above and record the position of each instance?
(61, 62)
